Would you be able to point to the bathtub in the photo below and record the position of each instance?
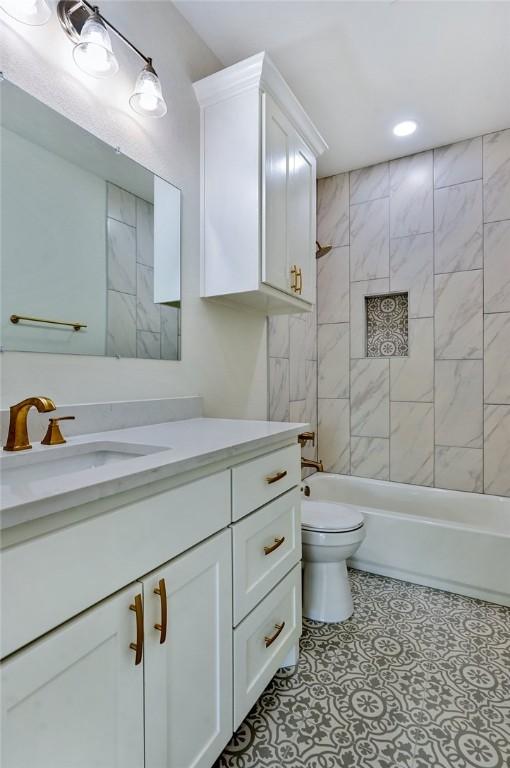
(450, 540)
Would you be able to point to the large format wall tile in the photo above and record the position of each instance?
(370, 393)
(497, 358)
(148, 345)
(497, 450)
(411, 198)
(370, 457)
(459, 403)
(333, 358)
(170, 333)
(333, 210)
(458, 227)
(333, 286)
(311, 394)
(148, 316)
(412, 270)
(297, 357)
(144, 232)
(459, 469)
(496, 175)
(310, 346)
(370, 240)
(121, 257)
(278, 389)
(412, 377)
(458, 162)
(497, 267)
(358, 312)
(334, 438)
(121, 330)
(412, 459)
(121, 205)
(278, 335)
(370, 183)
(458, 315)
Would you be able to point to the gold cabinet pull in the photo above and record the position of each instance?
(299, 281)
(293, 278)
(277, 543)
(161, 591)
(279, 629)
(138, 646)
(277, 476)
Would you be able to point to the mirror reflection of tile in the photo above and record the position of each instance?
(387, 325)
(136, 326)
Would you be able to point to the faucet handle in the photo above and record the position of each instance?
(53, 434)
(306, 437)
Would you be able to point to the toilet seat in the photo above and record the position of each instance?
(330, 517)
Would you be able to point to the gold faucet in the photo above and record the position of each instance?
(318, 465)
(306, 437)
(17, 439)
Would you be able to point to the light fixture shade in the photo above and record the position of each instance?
(147, 98)
(406, 128)
(34, 12)
(94, 54)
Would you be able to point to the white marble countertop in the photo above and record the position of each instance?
(187, 445)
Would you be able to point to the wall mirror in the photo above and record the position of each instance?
(90, 241)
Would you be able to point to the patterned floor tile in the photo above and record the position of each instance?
(417, 678)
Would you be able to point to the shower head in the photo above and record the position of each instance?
(322, 250)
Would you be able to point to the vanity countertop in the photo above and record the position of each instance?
(186, 445)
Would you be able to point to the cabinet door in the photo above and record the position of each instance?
(301, 215)
(74, 699)
(277, 157)
(188, 677)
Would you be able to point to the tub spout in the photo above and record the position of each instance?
(318, 465)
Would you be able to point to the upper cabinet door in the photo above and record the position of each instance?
(75, 697)
(301, 217)
(188, 657)
(277, 159)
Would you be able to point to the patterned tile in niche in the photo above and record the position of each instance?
(387, 325)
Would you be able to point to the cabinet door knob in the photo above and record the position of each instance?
(279, 629)
(277, 476)
(277, 543)
(138, 646)
(161, 591)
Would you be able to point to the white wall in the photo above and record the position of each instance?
(223, 350)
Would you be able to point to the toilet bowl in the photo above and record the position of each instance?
(331, 533)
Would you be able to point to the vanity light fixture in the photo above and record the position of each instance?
(406, 128)
(33, 12)
(93, 53)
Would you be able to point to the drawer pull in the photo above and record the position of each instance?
(270, 640)
(277, 543)
(161, 591)
(138, 646)
(277, 476)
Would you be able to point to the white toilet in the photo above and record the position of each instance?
(331, 532)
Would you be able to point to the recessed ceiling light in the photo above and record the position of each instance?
(405, 129)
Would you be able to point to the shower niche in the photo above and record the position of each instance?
(387, 325)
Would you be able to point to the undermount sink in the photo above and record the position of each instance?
(29, 467)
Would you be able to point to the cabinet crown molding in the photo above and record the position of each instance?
(259, 71)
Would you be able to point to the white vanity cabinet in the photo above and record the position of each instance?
(188, 657)
(75, 697)
(259, 150)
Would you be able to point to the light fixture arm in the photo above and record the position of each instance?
(67, 10)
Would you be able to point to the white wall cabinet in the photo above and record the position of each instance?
(74, 698)
(188, 676)
(259, 150)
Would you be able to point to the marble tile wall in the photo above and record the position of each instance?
(136, 327)
(436, 225)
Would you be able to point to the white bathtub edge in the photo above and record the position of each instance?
(446, 585)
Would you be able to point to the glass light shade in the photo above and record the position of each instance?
(147, 98)
(94, 54)
(405, 129)
(34, 12)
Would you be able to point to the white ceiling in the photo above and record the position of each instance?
(360, 67)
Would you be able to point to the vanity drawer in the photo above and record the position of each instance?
(257, 655)
(257, 482)
(266, 545)
(49, 579)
